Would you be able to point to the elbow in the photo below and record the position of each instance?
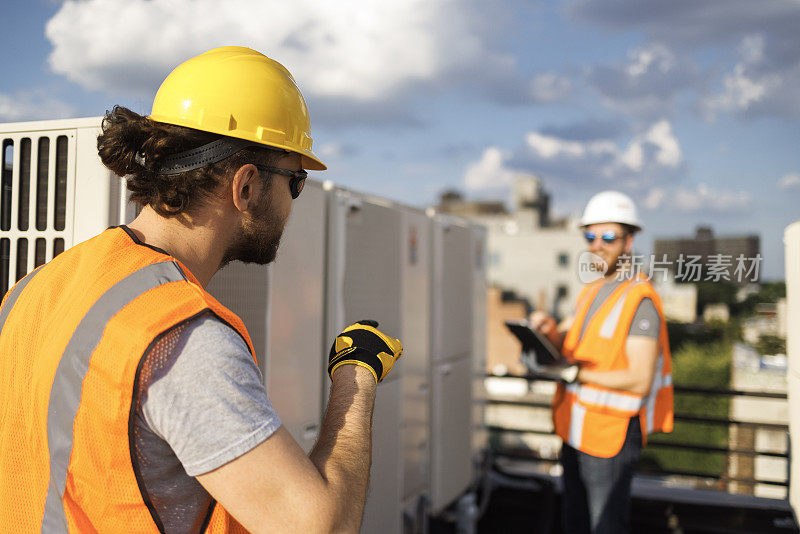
(642, 388)
(326, 520)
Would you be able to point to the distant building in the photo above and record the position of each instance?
(753, 372)
(453, 202)
(737, 256)
(768, 320)
(503, 349)
(679, 300)
(530, 252)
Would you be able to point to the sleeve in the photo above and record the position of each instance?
(646, 321)
(205, 396)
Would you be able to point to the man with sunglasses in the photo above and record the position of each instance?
(132, 401)
(618, 386)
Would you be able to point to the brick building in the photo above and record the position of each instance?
(714, 254)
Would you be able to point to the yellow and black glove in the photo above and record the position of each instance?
(363, 344)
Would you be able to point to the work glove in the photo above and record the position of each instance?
(566, 373)
(364, 345)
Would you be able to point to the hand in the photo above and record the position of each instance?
(567, 374)
(364, 345)
(542, 322)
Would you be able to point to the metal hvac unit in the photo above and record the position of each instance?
(791, 241)
(415, 429)
(55, 193)
(365, 237)
(451, 360)
(282, 307)
(479, 287)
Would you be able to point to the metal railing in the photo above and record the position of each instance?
(660, 442)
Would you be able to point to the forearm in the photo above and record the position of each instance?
(637, 377)
(622, 379)
(559, 333)
(343, 451)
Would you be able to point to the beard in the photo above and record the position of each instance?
(257, 239)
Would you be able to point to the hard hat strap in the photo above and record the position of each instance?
(203, 155)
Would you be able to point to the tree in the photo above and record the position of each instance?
(768, 344)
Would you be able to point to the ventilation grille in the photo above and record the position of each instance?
(36, 201)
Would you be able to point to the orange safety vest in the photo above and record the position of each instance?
(592, 418)
(73, 335)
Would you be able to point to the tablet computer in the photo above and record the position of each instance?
(535, 342)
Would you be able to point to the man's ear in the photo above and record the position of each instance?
(628, 243)
(243, 185)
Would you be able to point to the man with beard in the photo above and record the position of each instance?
(131, 399)
(618, 386)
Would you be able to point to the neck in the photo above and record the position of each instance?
(620, 271)
(195, 242)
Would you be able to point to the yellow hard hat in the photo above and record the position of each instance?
(238, 92)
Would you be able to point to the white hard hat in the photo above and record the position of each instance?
(611, 206)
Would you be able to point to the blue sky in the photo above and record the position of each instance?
(691, 107)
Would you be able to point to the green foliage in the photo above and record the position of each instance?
(772, 291)
(702, 333)
(724, 292)
(706, 364)
(771, 345)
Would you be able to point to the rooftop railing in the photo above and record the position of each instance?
(720, 480)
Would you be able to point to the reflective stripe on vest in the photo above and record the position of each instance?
(660, 380)
(602, 397)
(65, 395)
(577, 417)
(612, 320)
(13, 295)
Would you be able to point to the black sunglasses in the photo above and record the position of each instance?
(297, 178)
(607, 237)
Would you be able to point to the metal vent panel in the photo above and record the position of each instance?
(37, 200)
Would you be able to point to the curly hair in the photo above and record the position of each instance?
(126, 135)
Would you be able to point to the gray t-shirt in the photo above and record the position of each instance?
(200, 403)
(646, 321)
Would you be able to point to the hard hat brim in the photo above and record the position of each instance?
(636, 227)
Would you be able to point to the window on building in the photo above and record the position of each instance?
(563, 259)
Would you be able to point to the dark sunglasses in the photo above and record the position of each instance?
(297, 179)
(607, 237)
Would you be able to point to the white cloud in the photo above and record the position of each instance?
(756, 84)
(790, 181)
(668, 151)
(32, 105)
(654, 199)
(647, 84)
(489, 173)
(762, 82)
(335, 150)
(689, 22)
(702, 198)
(549, 87)
(655, 146)
(364, 53)
(650, 158)
(550, 147)
(654, 58)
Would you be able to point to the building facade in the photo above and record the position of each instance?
(732, 258)
(530, 252)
